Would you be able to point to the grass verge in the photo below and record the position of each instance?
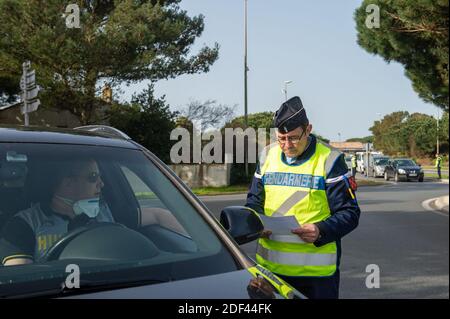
(368, 182)
(242, 189)
(434, 175)
(233, 189)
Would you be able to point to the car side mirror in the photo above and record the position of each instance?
(242, 223)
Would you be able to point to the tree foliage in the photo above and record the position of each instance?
(208, 113)
(147, 120)
(9, 90)
(261, 120)
(366, 139)
(413, 135)
(118, 41)
(415, 34)
(255, 121)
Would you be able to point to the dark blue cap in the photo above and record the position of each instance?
(290, 115)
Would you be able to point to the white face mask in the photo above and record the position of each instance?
(89, 207)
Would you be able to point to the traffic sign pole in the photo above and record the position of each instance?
(29, 91)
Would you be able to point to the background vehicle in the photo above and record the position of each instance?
(364, 161)
(348, 161)
(378, 165)
(403, 169)
(360, 163)
(163, 243)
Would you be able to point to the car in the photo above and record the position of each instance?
(162, 241)
(379, 165)
(403, 169)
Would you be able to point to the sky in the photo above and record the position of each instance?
(344, 89)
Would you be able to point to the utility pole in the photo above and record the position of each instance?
(29, 91)
(245, 87)
(285, 89)
(437, 133)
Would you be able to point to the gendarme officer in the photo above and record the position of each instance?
(304, 177)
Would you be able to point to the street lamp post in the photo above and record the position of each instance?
(437, 133)
(245, 85)
(285, 89)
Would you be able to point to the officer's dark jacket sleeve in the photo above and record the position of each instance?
(343, 205)
(17, 240)
(255, 195)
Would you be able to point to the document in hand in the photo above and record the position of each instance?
(279, 225)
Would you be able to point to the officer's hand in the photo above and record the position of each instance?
(308, 232)
(265, 233)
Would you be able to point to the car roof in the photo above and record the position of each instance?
(36, 134)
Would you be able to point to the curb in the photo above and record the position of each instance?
(442, 202)
(437, 205)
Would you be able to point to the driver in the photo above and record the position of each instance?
(75, 201)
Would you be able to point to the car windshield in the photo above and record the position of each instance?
(405, 162)
(109, 212)
(383, 161)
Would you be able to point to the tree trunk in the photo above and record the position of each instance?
(89, 101)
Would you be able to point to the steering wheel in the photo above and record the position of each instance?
(105, 241)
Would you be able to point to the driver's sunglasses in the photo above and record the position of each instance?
(93, 177)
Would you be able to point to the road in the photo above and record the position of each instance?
(409, 244)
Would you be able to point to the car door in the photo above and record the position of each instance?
(394, 168)
(390, 169)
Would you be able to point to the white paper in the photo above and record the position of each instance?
(280, 225)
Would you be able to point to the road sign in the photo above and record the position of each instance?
(29, 92)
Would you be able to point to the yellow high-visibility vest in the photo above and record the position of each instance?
(297, 190)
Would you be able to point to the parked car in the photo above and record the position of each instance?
(161, 241)
(403, 169)
(379, 165)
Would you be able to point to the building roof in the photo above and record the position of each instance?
(348, 145)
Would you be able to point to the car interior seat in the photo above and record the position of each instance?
(12, 191)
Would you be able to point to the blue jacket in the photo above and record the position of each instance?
(345, 211)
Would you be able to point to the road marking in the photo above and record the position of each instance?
(427, 205)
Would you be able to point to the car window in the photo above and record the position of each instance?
(381, 162)
(405, 163)
(126, 219)
(152, 209)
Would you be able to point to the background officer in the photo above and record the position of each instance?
(304, 177)
(354, 164)
(438, 165)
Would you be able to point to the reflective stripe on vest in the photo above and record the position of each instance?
(298, 259)
(297, 190)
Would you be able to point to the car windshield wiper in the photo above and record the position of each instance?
(86, 286)
(99, 285)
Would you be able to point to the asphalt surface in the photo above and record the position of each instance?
(409, 244)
